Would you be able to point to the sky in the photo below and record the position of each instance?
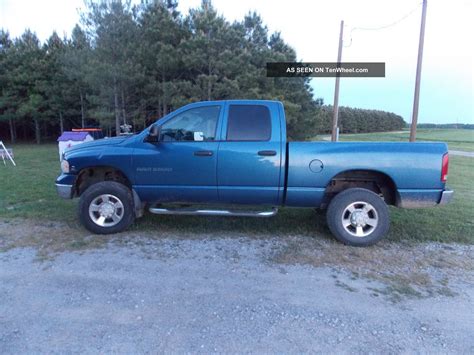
(311, 27)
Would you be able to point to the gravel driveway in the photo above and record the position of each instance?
(145, 293)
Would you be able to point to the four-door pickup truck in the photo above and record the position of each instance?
(235, 153)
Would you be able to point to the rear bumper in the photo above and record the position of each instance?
(446, 197)
(422, 198)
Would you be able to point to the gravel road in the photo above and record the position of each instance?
(143, 293)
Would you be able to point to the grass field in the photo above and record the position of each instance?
(457, 139)
(27, 191)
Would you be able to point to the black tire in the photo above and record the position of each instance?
(118, 192)
(338, 209)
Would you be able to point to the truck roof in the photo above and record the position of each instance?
(239, 101)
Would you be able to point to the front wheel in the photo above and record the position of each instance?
(358, 217)
(106, 207)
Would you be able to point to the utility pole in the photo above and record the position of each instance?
(416, 99)
(334, 135)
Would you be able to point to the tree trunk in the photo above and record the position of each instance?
(37, 131)
(23, 131)
(117, 111)
(209, 67)
(123, 109)
(15, 131)
(83, 115)
(12, 131)
(61, 122)
(163, 90)
(209, 82)
(44, 127)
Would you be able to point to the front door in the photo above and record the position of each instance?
(182, 165)
(249, 160)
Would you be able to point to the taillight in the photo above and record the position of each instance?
(444, 168)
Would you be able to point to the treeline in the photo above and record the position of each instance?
(356, 120)
(129, 64)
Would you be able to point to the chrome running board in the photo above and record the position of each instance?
(208, 212)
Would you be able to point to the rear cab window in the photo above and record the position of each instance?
(249, 123)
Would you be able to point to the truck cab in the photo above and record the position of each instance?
(224, 151)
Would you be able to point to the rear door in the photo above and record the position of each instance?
(249, 155)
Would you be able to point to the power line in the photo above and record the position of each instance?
(391, 24)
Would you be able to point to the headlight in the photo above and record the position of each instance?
(65, 166)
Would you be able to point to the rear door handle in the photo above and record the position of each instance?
(267, 153)
(203, 153)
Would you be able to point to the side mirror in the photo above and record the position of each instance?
(153, 134)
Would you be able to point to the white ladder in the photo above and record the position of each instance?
(7, 154)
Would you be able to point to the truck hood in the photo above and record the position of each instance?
(97, 143)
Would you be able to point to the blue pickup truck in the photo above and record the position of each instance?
(233, 157)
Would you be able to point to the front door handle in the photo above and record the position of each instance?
(203, 153)
(267, 153)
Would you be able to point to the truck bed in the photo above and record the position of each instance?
(414, 169)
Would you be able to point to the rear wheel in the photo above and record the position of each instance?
(106, 207)
(358, 217)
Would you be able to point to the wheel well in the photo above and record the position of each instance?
(90, 176)
(375, 181)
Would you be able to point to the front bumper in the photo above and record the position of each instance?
(65, 185)
(64, 191)
(446, 197)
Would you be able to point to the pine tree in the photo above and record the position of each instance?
(113, 30)
(28, 82)
(76, 65)
(161, 32)
(7, 110)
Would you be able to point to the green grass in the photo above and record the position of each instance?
(27, 191)
(457, 139)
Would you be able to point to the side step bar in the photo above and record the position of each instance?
(208, 212)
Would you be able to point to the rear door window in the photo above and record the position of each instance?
(249, 123)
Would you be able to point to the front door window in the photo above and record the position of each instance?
(194, 125)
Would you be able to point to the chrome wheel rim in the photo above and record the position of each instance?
(106, 210)
(360, 219)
